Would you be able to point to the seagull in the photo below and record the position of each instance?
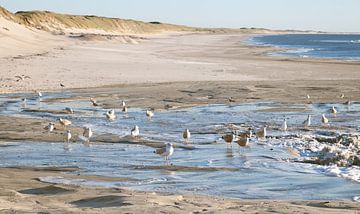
(166, 152)
(110, 114)
(123, 104)
(50, 127)
(149, 114)
(324, 120)
(39, 94)
(64, 122)
(333, 110)
(342, 96)
(68, 136)
(228, 138)
(243, 141)
(22, 77)
(231, 100)
(62, 85)
(348, 102)
(125, 109)
(307, 122)
(135, 132)
(24, 99)
(284, 125)
(261, 133)
(93, 101)
(186, 135)
(87, 133)
(308, 97)
(69, 110)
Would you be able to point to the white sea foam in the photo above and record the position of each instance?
(351, 173)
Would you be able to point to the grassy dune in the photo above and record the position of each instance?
(63, 23)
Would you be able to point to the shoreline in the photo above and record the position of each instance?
(32, 194)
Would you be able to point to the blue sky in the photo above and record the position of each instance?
(326, 15)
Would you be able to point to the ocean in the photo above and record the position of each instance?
(334, 46)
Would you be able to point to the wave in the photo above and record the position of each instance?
(351, 173)
(300, 50)
(338, 41)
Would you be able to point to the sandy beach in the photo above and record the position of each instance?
(163, 71)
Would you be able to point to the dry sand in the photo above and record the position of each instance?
(161, 71)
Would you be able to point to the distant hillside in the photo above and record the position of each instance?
(65, 24)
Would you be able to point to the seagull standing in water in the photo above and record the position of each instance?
(284, 125)
(68, 136)
(149, 114)
(87, 133)
(135, 132)
(262, 133)
(186, 135)
(165, 152)
(125, 109)
(243, 141)
(307, 122)
(324, 120)
(40, 94)
(110, 115)
(333, 110)
(229, 138)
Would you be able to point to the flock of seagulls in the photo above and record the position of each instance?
(242, 139)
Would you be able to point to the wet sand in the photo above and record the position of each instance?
(21, 192)
(171, 72)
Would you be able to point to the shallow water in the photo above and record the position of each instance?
(261, 171)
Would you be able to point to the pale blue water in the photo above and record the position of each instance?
(263, 171)
(337, 46)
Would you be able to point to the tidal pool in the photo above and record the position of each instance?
(265, 170)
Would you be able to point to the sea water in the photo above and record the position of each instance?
(336, 46)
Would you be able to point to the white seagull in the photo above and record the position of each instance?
(110, 115)
(135, 132)
(166, 152)
(123, 104)
(333, 110)
(69, 110)
(284, 125)
(149, 114)
(68, 136)
(324, 120)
